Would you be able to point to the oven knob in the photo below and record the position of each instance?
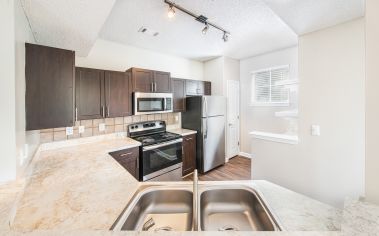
(131, 127)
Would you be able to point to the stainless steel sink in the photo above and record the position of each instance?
(157, 209)
(176, 208)
(235, 209)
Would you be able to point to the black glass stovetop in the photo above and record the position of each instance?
(151, 139)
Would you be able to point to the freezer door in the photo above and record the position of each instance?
(213, 142)
(213, 106)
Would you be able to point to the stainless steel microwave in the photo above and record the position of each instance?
(150, 103)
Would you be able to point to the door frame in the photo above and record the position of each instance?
(236, 82)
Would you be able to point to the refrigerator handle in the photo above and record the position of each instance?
(206, 118)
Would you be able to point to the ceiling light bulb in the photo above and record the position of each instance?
(204, 31)
(171, 12)
(225, 37)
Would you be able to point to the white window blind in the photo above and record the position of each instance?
(268, 86)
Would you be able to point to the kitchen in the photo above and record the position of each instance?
(109, 117)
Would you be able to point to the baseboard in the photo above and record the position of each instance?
(245, 154)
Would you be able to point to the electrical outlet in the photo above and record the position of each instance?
(102, 127)
(81, 129)
(69, 131)
(176, 118)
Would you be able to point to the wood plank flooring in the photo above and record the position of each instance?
(238, 168)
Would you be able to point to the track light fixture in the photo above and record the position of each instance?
(225, 37)
(171, 11)
(204, 31)
(200, 18)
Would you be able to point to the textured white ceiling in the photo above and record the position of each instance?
(305, 16)
(69, 24)
(254, 28)
(257, 26)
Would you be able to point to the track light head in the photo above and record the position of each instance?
(171, 11)
(225, 37)
(205, 30)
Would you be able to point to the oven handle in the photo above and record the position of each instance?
(161, 145)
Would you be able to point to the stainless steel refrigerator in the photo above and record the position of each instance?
(206, 115)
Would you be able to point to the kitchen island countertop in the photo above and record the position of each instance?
(77, 186)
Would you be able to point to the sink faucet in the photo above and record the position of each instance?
(195, 199)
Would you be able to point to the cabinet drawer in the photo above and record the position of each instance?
(126, 155)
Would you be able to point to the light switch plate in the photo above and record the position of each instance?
(315, 130)
(69, 131)
(81, 129)
(102, 127)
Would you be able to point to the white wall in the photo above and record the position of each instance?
(26, 142)
(331, 94)
(214, 72)
(372, 101)
(7, 92)
(113, 56)
(263, 118)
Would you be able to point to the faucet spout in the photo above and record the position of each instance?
(195, 201)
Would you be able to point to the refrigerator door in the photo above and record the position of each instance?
(213, 142)
(213, 106)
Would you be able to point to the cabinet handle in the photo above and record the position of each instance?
(125, 154)
(189, 138)
(155, 87)
(76, 114)
(108, 111)
(152, 87)
(103, 111)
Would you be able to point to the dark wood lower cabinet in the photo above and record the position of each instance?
(189, 151)
(129, 159)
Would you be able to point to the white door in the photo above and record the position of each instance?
(233, 118)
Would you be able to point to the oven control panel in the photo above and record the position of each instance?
(146, 126)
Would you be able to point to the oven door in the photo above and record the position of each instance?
(148, 103)
(160, 157)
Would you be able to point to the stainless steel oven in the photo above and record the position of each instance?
(162, 161)
(148, 103)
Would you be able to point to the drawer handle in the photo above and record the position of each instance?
(125, 154)
(189, 138)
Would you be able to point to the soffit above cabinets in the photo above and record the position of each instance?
(69, 24)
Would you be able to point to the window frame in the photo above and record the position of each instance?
(253, 101)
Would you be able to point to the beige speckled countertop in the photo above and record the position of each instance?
(76, 186)
(182, 132)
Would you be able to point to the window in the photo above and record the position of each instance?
(269, 86)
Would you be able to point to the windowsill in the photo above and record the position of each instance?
(279, 138)
(270, 105)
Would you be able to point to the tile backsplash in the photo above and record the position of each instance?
(112, 125)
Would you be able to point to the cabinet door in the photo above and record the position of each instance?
(179, 94)
(142, 80)
(49, 95)
(118, 94)
(191, 87)
(189, 150)
(162, 82)
(129, 159)
(90, 102)
(207, 88)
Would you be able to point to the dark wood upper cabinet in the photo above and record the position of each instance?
(90, 100)
(142, 80)
(179, 94)
(189, 151)
(197, 87)
(118, 94)
(102, 94)
(49, 78)
(162, 82)
(148, 81)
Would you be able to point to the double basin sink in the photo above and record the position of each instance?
(211, 208)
